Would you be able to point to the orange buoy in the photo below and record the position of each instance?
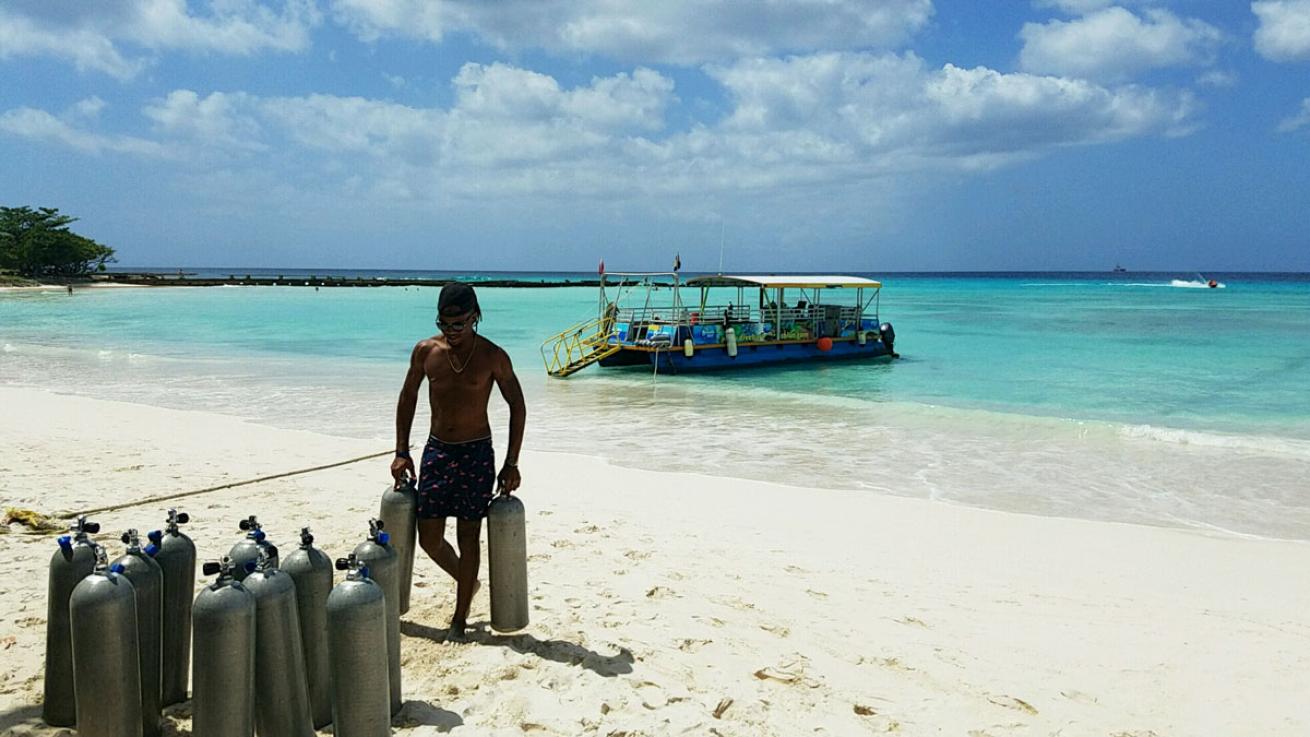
(825, 344)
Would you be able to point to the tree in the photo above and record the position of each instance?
(37, 243)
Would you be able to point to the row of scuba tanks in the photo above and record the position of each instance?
(279, 650)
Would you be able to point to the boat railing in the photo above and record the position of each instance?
(735, 314)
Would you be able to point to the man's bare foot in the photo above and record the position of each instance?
(456, 631)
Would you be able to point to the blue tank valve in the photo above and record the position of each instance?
(155, 536)
(384, 538)
(152, 550)
(363, 571)
(65, 542)
(258, 536)
(250, 566)
(117, 568)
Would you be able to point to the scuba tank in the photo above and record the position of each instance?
(106, 657)
(177, 558)
(377, 554)
(398, 515)
(248, 549)
(73, 561)
(223, 670)
(507, 563)
(311, 570)
(139, 567)
(281, 691)
(356, 611)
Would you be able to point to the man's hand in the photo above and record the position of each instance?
(508, 480)
(402, 470)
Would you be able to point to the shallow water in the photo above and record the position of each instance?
(1117, 398)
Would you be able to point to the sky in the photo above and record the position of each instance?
(823, 135)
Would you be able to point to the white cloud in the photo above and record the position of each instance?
(1217, 78)
(102, 36)
(672, 31)
(90, 107)
(214, 120)
(40, 125)
(810, 121)
(1077, 7)
(1300, 120)
(1114, 44)
(1284, 30)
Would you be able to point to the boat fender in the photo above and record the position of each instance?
(824, 344)
(862, 336)
(688, 348)
(731, 338)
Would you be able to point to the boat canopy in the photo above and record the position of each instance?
(784, 282)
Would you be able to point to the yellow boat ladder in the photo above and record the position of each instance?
(579, 346)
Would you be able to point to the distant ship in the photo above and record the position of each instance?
(1119, 269)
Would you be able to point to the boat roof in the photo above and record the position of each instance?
(786, 281)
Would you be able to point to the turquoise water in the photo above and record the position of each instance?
(1131, 398)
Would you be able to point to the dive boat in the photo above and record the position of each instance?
(645, 319)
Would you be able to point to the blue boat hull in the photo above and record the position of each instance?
(712, 359)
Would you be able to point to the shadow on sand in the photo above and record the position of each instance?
(423, 713)
(27, 716)
(559, 651)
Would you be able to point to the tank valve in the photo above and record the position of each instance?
(306, 538)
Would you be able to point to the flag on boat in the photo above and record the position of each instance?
(677, 262)
(601, 269)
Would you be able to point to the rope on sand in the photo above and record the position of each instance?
(233, 485)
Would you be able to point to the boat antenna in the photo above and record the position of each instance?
(721, 247)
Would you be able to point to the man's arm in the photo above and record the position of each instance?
(405, 412)
(503, 373)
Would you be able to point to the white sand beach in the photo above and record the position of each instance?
(667, 603)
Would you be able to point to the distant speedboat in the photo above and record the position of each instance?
(1119, 269)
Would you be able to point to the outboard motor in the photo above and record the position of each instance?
(73, 561)
(138, 566)
(281, 690)
(377, 554)
(398, 514)
(507, 563)
(311, 570)
(247, 551)
(106, 655)
(177, 559)
(888, 338)
(357, 637)
(223, 672)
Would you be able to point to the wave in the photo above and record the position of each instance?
(1182, 284)
(1258, 444)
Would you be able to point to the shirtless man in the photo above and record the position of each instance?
(458, 473)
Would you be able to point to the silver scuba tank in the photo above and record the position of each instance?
(507, 563)
(398, 514)
(311, 570)
(248, 549)
(177, 558)
(281, 691)
(357, 639)
(383, 565)
(106, 656)
(73, 561)
(138, 566)
(223, 670)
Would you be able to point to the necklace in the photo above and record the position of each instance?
(465, 363)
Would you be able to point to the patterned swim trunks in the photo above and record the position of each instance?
(456, 479)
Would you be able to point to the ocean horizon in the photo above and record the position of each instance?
(1132, 397)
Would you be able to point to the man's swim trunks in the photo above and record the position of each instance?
(456, 479)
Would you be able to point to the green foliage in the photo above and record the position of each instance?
(37, 243)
